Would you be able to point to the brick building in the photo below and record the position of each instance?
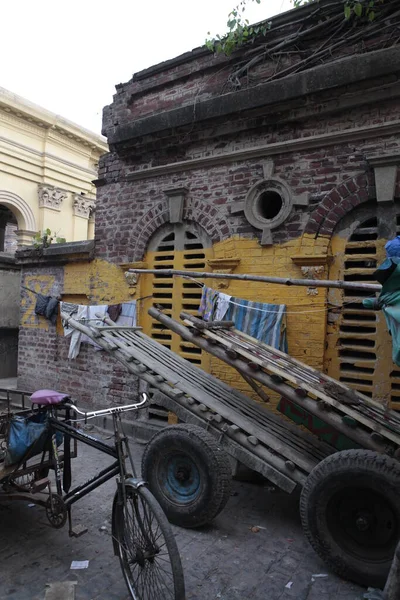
(285, 165)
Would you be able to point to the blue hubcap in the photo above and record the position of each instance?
(182, 479)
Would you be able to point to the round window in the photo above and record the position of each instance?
(268, 204)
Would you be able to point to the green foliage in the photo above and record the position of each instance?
(240, 31)
(356, 8)
(45, 238)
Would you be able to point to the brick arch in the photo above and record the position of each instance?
(338, 202)
(206, 215)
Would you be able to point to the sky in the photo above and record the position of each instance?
(67, 56)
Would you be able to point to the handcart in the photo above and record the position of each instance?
(350, 499)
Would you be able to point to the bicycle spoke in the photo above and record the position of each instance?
(144, 551)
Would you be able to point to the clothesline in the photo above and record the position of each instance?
(262, 310)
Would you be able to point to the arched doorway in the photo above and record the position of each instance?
(8, 230)
(183, 246)
(358, 345)
(22, 216)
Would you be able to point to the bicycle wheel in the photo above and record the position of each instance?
(146, 547)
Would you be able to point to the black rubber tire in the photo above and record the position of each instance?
(190, 452)
(139, 527)
(350, 512)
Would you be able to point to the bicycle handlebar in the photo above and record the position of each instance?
(108, 411)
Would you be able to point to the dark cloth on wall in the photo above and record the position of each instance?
(46, 306)
(114, 310)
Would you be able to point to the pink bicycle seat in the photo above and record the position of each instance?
(47, 397)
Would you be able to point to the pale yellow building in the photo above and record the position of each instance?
(47, 165)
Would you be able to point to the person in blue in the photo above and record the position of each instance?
(388, 275)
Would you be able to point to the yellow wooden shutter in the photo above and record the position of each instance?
(184, 247)
(358, 348)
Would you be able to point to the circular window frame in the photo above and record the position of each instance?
(252, 212)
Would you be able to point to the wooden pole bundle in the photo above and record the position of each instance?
(325, 283)
(357, 434)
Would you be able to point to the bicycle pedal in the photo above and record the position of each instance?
(77, 531)
(40, 484)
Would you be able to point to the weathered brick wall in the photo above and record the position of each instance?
(199, 75)
(122, 232)
(94, 378)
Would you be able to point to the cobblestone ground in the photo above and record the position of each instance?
(225, 560)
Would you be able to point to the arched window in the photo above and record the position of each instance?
(183, 246)
(359, 348)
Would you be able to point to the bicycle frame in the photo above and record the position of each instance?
(120, 451)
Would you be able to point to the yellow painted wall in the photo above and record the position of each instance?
(99, 282)
(306, 314)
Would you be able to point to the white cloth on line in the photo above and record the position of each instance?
(222, 306)
(92, 311)
(128, 314)
(76, 337)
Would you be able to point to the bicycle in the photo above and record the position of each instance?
(141, 534)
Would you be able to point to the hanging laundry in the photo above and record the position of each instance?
(88, 315)
(114, 310)
(92, 320)
(72, 311)
(47, 306)
(207, 303)
(265, 322)
(222, 306)
(127, 316)
(76, 336)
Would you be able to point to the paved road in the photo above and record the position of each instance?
(225, 561)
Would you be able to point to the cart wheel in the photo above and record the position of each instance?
(350, 511)
(189, 474)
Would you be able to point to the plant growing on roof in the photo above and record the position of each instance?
(241, 32)
(45, 238)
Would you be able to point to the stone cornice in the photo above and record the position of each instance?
(294, 145)
(338, 74)
(56, 253)
(30, 113)
(45, 156)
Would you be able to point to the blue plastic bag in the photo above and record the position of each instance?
(27, 436)
(393, 247)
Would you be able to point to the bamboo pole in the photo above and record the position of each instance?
(358, 434)
(326, 283)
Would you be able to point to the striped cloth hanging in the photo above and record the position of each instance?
(265, 322)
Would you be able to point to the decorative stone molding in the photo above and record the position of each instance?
(312, 272)
(223, 265)
(50, 196)
(83, 206)
(176, 198)
(24, 237)
(311, 260)
(385, 168)
(268, 203)
(312, 267)
(132, 279)
(208, 217)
